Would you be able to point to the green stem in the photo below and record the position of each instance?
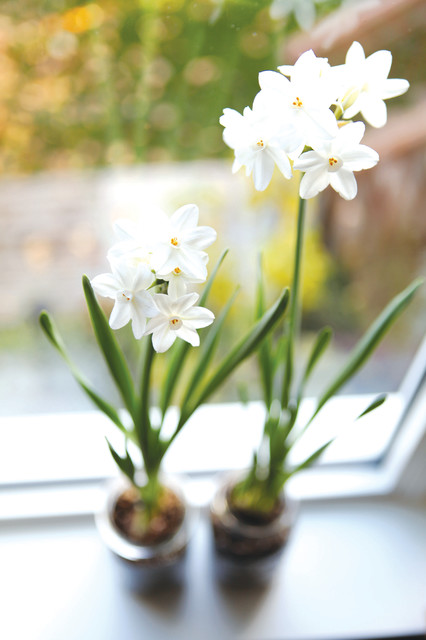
(143, 427)
(294, 305)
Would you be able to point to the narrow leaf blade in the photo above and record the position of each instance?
(265, 349)
(247, 345)
(207, 350)
(124, 464)
(312, 458)
(54, 337)
(370, 340)
(377, 402)
(181, 349)
(320, 345)
(110, 349)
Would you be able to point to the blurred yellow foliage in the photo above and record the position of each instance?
(82, 19)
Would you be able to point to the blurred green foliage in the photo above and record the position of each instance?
(122, 82)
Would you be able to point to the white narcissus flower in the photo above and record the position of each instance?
(260, 138)
(304, 100)
(182, 244)
(177, 318)
(333, 163)
(303, 10)
(136, 241)
(365, 85)
(128, 288)
(178, 282)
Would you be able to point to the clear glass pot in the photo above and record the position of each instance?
(146, 566)
(246, 551)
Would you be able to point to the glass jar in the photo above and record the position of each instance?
(146, 566)
(247, 551)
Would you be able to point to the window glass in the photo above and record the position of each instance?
(107, 109)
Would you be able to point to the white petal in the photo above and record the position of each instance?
(274, 80)
(305, 14)
(286, 69)
(231, 118)
(374, 111)
(120, 315)
(185, 217)
(143, 278)
(281, 8)
(201, 237)
(262, 171)
(144, 301)
(163, 303)
(123, 272)
(154, 324)
(355, 107)
(163, 338)
(138, 321)
(309, 160)
(190, 261)
(281, 160)
(105, 285)
(313, 182)
(355, 54)
(320, 123)
(349, 135)
(288, 139)
(362, 157)
(246, 156)
(182, 304)
(198, 317)
(177, 287)
(344, 183)
(236, 166)
(394, 87)
(379, 64)
(189, 335)
(125, 229)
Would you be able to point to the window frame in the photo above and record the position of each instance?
(73, 491)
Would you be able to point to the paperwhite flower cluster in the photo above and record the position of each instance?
(311, 104)
(165, 254)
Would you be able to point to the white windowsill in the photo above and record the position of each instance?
(63, 458)
(352, 569)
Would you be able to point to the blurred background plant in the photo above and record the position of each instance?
(109, 107)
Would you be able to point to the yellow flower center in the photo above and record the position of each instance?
(175, 323)
(174, 242)
(297, 102)
(177, 271)
(334, 164)
(260, 143)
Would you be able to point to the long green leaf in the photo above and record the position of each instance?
(211, 278)
(181, 348)
(377, 402)
(111, 350)
(312, 458)
(143, 424)
(179, 353)
(245, 347)
(54, 337)
(294, 311)
(207, 350)
(369, 341)
(124, 464)
(320, 345)
(264, 353)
